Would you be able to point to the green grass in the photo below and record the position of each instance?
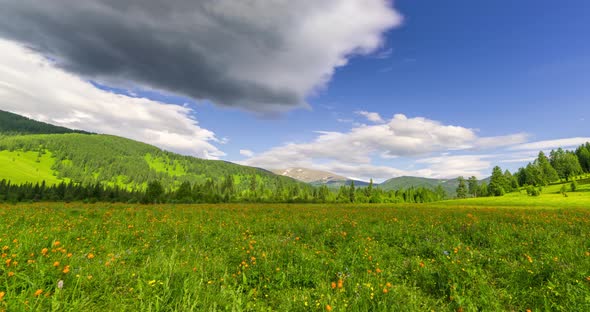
(551, 197)
(20, 167)
(293, 258)
(165, 165)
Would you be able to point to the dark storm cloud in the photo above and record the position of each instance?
(246, 54)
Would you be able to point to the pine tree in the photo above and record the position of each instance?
(462, 188)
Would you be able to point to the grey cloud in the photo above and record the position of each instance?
(258, 55)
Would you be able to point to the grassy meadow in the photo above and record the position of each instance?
(106, 257)
(21, 167)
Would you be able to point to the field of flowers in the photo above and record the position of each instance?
(74, 257)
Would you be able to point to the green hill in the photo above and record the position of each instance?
(15, 124)
(67, 155)
(550, 197)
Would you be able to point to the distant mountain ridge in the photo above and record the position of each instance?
(317, 177)
(404, 182)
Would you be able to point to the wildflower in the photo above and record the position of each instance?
(56, 264)
(38, 292)
(333, 285)
(422, 264)
(66, 269)
(340, 283)
(152, 282)
(328, 307)
(8, 262)
(70, 255)
(60, 284)
(90, 256)
(388, 284)
(2, 294)
(10, 274)
(385, 290)
(44, 251)
(56, 243)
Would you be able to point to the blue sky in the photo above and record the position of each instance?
(512, 75)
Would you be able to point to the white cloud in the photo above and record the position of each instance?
(452, 166)
(353, 153)
(30, 85)
(371, 116)
(552, 144)
(247, 153)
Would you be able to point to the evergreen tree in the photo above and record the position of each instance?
(473, 186)
(462, 188)
(153, 193)
(352, 192)
(497, 182)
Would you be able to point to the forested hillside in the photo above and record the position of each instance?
(65, 165)
(16, 124)
(88, 159)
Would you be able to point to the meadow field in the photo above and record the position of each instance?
(115, 257)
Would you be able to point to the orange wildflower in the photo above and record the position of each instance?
(66, 269)
(328, 307)
(10, 274)
(90, 256)
(56, 264)
(422, 264)
(340, 283)
(57, 243)
(333, 285)
(38, 292)
(385, 290)
(44, 251)
(2, 294)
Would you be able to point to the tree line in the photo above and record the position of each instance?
(212, 192)
(561, 165)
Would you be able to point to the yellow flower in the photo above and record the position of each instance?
(44, 251)
(10, 274)
(90, 256)
(328, 307)
(2, 295)
(38, 292)
(66, 269)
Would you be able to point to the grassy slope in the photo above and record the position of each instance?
(21, 167)
(550, 198)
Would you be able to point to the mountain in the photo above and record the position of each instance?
(16, 124)
(32, 151)
(404, 182)
(317, 177)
